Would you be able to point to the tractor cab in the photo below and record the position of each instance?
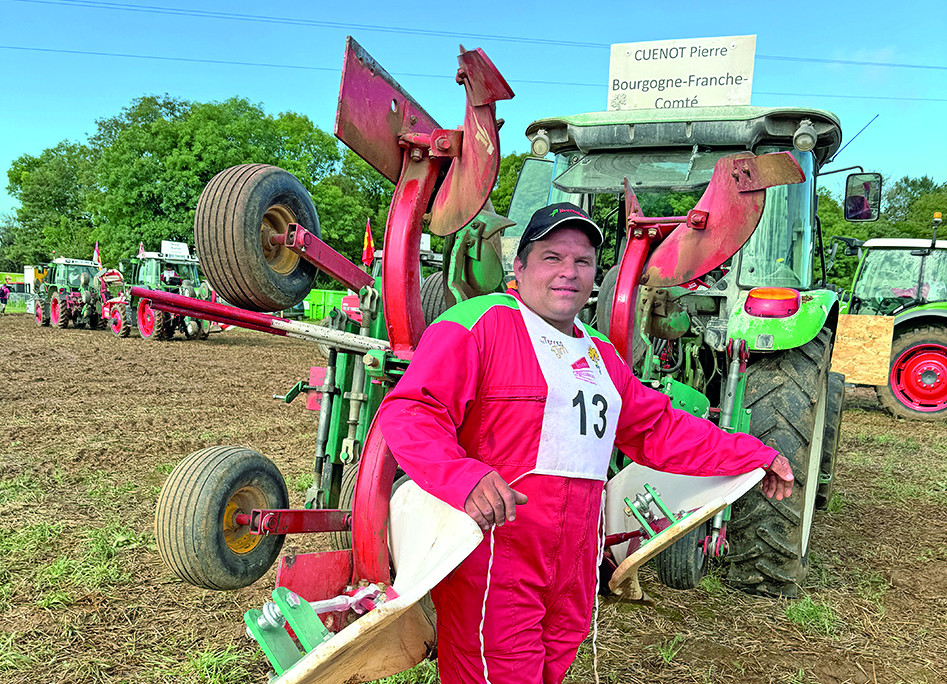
(896, 274)
(668, 161)
(70, 275)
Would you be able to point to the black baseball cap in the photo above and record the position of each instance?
(561, 215)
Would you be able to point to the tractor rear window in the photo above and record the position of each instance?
(676, 169)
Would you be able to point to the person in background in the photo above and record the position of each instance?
(4, 294)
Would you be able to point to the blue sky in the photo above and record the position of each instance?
(60, 73)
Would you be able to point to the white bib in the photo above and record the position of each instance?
(582, 403)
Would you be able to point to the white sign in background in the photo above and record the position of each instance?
(677, 74)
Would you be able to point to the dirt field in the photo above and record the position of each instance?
(90, 426)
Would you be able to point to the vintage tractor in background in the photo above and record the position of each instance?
(223, 514)
(173, 269)
(68, 291)
(899, 299)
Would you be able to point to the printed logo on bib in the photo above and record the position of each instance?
(557, 347)
(583, 371)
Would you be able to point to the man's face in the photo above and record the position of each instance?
(557, 279)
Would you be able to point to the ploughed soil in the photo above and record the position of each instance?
(91, 425)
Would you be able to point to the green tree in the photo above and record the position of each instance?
(154, 159)
(902, 195)
(52, 219)
(502, 193)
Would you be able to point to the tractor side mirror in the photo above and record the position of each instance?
(852, 248)
(863, 197)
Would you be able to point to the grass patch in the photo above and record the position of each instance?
(26, 542)
(11, 657)
(104, 491)
(424, 672)
(669, 649)
(22, 487)
(870, 585)
(837, 502)
(302, 482)
(164, 468)
(98, 565)
(815, 617)
(712, 584)
(227, 666)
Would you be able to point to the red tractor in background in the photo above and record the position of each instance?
(74, 290)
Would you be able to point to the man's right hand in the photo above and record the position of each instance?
(493, 501)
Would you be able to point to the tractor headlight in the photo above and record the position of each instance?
(539, 145)
(805, 137)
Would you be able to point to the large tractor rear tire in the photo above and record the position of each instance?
(834, 401)
(58, 315)
(196, 526)
(152, 324)
(239, 211)
(433, 302)
(769, 539)
(917, 379)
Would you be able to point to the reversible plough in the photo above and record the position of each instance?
(359, 612)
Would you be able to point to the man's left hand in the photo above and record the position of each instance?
(777, 483)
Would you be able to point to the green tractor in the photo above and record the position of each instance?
(66, 291)
(747, 345)
(173, 270)
(899, 289)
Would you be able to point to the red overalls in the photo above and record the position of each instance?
(474, 399)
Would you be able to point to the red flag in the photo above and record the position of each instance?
(368, 245)
(95, 255)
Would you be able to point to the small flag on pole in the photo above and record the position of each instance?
(141, 249)
(368, 245)
(95, 255)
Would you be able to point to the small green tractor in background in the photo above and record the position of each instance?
(904, 280)
(172, 269)
(66, 291)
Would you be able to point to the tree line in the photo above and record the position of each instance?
(138, 177)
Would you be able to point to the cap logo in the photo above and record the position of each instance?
(571, 211)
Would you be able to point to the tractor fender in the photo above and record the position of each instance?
(927, 314)
(818, 309)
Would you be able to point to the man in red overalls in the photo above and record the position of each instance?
(509, 411)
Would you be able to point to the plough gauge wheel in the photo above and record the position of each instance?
(196, 524)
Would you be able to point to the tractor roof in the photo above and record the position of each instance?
(75, 262)
(170, 258)
(738, 126)
(902, 243)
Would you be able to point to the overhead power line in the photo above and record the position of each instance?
(337, 70)
(259, 18)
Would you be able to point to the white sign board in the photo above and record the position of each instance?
(677, 74)
(177, 249)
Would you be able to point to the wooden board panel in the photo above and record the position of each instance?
(862, 349)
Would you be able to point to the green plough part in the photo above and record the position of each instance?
(277, 645)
